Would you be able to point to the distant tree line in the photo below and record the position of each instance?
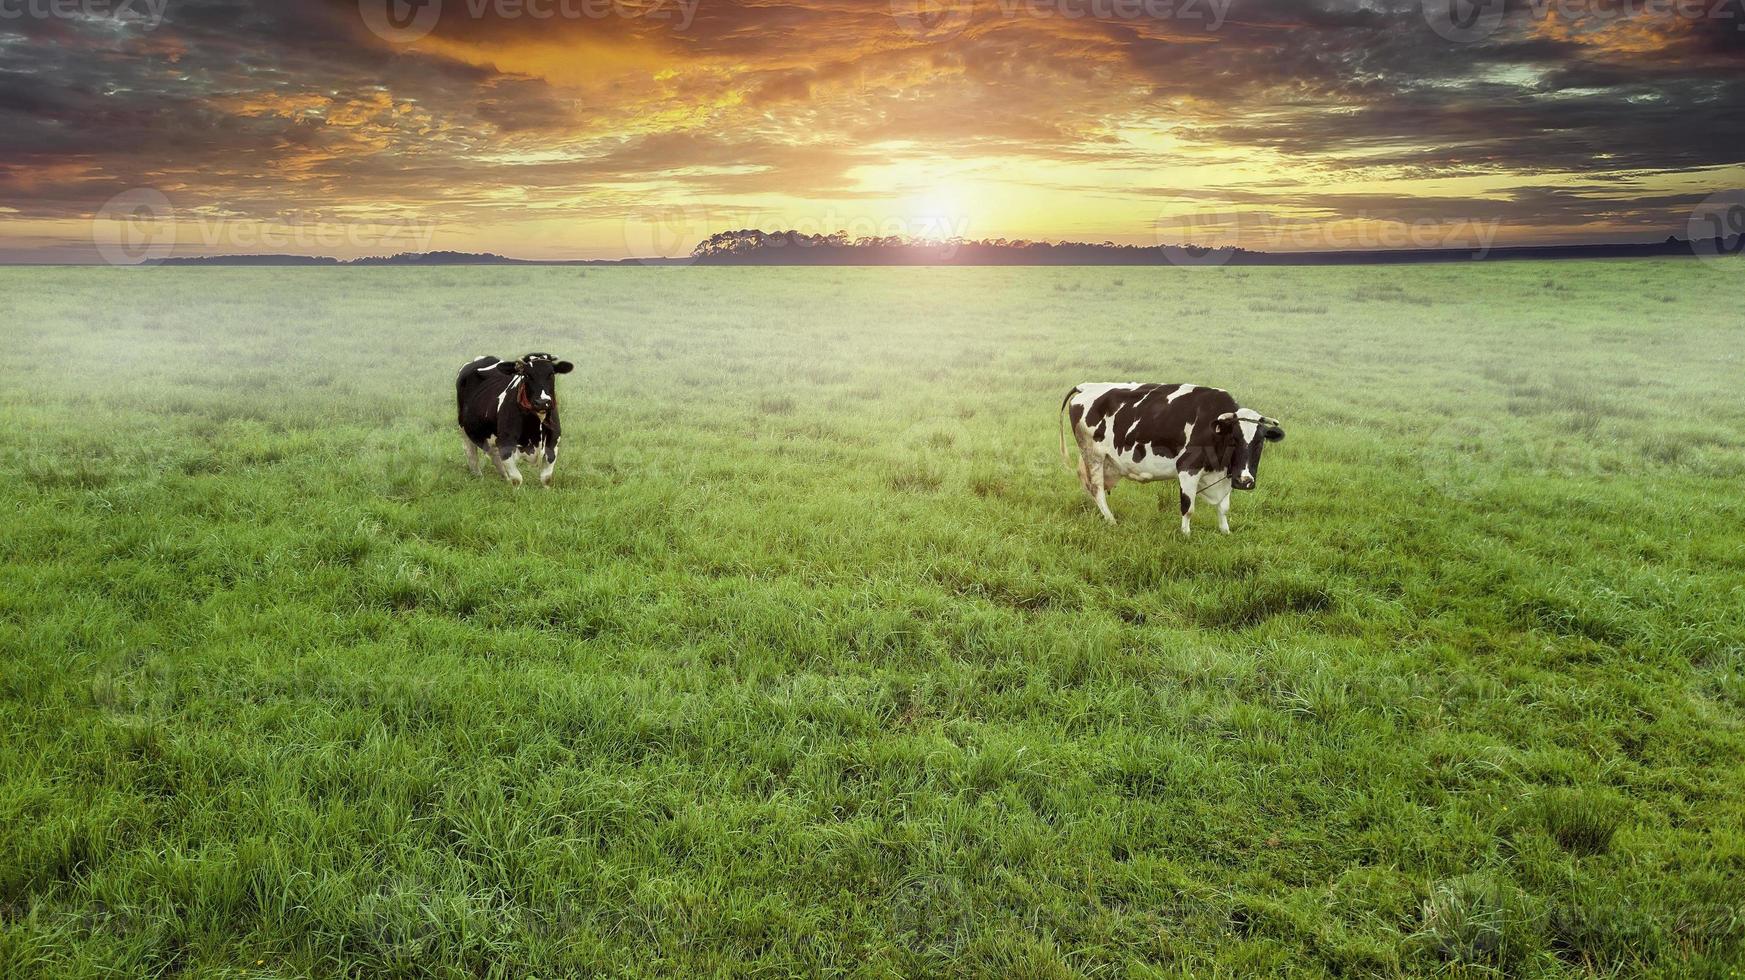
(751, 246)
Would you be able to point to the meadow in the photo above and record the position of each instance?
(816, 661)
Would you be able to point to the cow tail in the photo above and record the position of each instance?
(1064, 458)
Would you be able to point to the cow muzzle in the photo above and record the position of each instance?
(540, 404)
(1243, 481)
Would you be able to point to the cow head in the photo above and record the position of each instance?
(539, 380)
(1244, 433)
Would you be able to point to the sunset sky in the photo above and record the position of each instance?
(592, 129)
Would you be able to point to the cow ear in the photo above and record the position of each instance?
(563, 367)
(1224, 423)
(1275, 434)
(508, 367)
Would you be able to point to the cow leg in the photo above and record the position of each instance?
(550, 464)
(1102, 492)
(1190, 485)
(505, 457)
(1222, 497)
(1220, 494)
(472, 453)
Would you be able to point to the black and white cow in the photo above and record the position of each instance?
(1197, 436)
(509, 408)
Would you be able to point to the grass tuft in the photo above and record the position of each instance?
(776, 405)
(1583, 822)
(916, 479)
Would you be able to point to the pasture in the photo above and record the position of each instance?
(816, 661)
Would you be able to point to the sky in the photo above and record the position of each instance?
(611, 128)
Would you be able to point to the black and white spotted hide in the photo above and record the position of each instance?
(509, 410)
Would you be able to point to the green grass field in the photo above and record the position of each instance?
(816, 661)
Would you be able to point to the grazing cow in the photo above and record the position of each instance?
(509, 408)
(1197, 436)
